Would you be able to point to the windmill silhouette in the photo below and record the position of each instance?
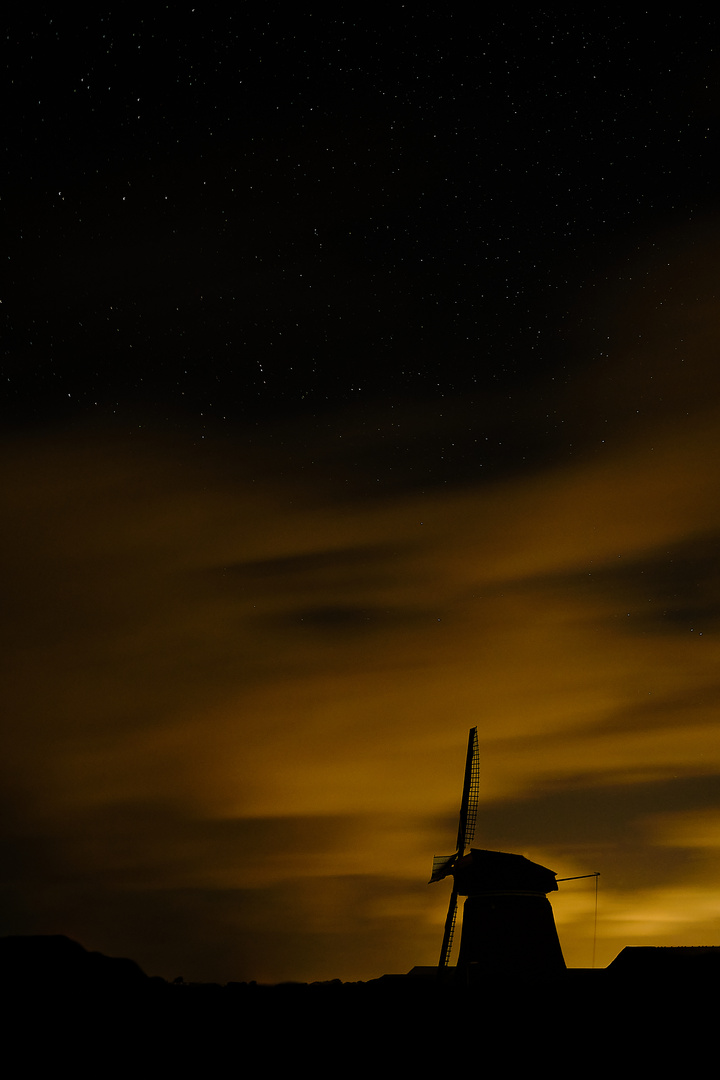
(508, 924)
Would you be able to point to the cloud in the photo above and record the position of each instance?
(207, 652)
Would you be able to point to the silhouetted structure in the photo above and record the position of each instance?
(508, 924)
(678, 962)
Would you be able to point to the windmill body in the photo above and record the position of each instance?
(508, 924)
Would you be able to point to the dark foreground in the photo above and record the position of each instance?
(70, 1007)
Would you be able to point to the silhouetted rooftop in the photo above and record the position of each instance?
(689, 960)
(501, 871)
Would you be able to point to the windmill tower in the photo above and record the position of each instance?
(508, 924)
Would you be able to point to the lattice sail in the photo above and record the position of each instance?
(470, 795)
(449, 932)
(473, 786)
(442, 865)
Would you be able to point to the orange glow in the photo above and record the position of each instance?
(238, 702)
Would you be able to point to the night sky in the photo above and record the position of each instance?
(360, 384)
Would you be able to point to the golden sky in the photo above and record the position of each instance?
(241, 671)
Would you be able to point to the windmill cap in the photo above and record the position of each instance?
(499, 871)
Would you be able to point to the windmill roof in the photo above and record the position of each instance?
(501, 871)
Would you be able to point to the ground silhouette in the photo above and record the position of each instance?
(70, 1004)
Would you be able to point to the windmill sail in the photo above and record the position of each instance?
(443, 864)
(471, 792)
(449, 930)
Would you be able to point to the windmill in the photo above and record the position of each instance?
(508, 924)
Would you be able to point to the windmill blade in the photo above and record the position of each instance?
(449, 930)
(442, 866)
(470, 795)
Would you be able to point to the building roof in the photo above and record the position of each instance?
(667, 959)
(483, 871)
